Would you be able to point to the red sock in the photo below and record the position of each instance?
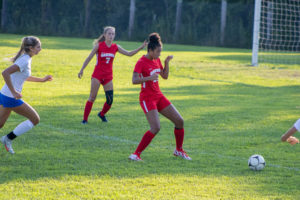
(179, 135)
(147, 138)
(105, 109)
(87, 110)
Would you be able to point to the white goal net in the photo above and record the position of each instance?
(276, 34)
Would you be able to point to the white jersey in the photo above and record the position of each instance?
(18, 78)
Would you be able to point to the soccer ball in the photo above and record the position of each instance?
(256, 162)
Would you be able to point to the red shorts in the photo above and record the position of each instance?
(103, 81)
(155, 104)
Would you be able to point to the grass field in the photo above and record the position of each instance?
(231, 111)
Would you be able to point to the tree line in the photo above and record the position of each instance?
(226, 23)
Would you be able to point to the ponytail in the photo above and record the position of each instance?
(27, 42)
(101, 38)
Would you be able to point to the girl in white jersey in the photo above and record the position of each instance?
(287, 137)
(10, 94)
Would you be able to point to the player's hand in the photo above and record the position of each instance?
(168, 59)
(144, 44)
(292, 140)
(80, 74)
(153, 77)
(47, 78)
(17, 95)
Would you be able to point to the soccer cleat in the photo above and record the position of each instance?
(135, 157)
(7, 144)
(84, 122)
(182, 154)
(103, 118)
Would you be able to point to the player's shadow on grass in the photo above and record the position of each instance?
(214, 115)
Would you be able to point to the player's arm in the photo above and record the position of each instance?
(165, 72)
(6, 76)
(138, 79)
(36, 79)
(131, 53)
(87, 60)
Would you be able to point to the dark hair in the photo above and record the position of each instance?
(154, 41)
(27, 42)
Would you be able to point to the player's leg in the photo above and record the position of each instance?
(173, 115)
(290, 132)
(109, 94)
(4, 114)
(33, 119)
(153, 120)
(95, 84)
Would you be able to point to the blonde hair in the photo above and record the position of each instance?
(101, 38)
(27, 42)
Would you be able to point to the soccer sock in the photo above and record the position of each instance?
(11, 136)
(87, 110)
(22, 128)
(179, 136)
(147, 138)
(105, 109)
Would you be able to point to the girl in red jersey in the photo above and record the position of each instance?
(105, 50)
(152, 100)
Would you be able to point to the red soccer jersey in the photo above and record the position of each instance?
(147, 67)
(105, 58)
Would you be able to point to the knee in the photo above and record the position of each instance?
(92, 99)
(35, 120)
(155, 129)
(109, 97)
(179, 122)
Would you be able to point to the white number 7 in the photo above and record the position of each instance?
(107, 60)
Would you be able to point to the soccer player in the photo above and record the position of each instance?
(152, 100)
(287, 137)
(105, 50)
(10, 94)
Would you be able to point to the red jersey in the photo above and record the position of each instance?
(147, 67)
(105, 58)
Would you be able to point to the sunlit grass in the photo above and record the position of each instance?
(231, 111)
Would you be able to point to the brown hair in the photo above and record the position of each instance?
(154, 41)
(27, 42)
(101, 38)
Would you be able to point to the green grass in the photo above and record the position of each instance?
(231, 111)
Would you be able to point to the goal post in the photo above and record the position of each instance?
(276, 32)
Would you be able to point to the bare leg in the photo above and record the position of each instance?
(153, 120)
(4, 114)
(95, 84)
(173, 115)
(108, 86)
(289, 133)
(27, 111)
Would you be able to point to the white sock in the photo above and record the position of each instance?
(23, 127)
(297, 125)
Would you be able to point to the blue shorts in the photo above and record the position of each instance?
(8, 102)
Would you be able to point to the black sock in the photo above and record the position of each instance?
(11, 136)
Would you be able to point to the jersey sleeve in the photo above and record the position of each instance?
(138, 67)
(22, 63)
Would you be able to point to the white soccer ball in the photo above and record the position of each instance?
(256, 162)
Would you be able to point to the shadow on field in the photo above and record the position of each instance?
(218, 124)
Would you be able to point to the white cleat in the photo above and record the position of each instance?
(135, 157)
(7, 144)
(182, 154)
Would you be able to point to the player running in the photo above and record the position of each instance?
(152, 100)
(10, 94)
(105, 50)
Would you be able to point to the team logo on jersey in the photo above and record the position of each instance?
(155, 71)
(107, 55)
